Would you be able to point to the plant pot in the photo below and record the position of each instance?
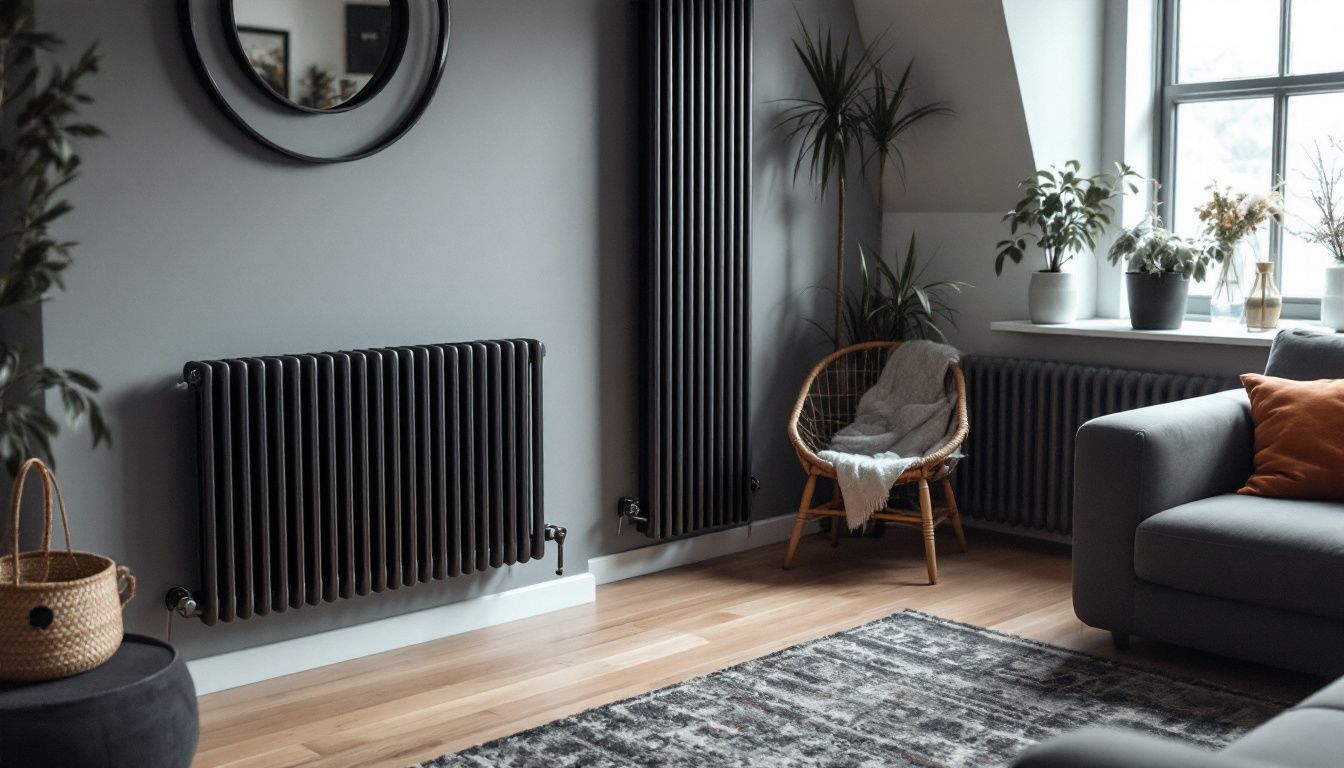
(1157, 300)
(1332, 301)
(1052, 298)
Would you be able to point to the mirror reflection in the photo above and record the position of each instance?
(314, 53)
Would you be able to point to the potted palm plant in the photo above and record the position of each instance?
(832, 124)
(1327, 195)
(1159, 267)
(1062, 212)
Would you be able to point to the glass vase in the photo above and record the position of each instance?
(1264, 303)
(1227, 304)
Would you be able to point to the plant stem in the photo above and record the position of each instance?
(839, 256)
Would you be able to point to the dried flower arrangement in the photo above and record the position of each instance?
(1230, 216)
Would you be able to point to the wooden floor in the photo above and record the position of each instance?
(413, 704)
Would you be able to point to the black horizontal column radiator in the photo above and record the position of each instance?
(325, 476)
(695, 474)
(1024, 416)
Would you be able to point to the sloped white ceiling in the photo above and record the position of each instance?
(962, 55)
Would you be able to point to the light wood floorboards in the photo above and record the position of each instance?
(416, 703)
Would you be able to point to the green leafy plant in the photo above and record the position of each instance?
(1062, 212)
(886, 116)
(36, 164)
(1150, 249)
(842, 114)
(892, 303)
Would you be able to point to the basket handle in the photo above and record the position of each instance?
(16, 503)
(126, 592)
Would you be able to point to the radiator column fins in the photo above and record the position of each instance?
(696, 469)
(331, 475)
(1024, 414)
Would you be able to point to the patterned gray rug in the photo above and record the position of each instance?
(908, 690)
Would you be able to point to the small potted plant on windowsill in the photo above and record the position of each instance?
(1062, 212)
(1159, 267)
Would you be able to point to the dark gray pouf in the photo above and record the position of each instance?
(137, 710)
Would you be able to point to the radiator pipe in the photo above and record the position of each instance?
(557, 534)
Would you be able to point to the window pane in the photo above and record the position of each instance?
(1223, 142)
(1227, 39)
(1312, 120)
(1315, 44)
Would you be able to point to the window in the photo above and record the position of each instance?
(1249, 88)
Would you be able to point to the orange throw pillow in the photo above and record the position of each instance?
(1299, 437)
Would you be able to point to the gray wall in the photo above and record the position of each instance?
(511, 210)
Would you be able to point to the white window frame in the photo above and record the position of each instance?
(1279, 87)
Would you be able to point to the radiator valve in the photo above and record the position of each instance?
(628, 508)
(180, 601)
(557, 534)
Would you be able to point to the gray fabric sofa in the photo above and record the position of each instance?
(1310, 735)
(1164, 548)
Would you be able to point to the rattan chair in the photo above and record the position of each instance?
(827, 403)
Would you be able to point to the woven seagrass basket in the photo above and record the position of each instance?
(60, 612)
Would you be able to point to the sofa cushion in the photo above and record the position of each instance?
(1298, 451)
(1298, 738)
(1278, 553)
(1329, 697)
(1306, 355)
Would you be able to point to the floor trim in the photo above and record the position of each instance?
(673, 554)
(251, 665)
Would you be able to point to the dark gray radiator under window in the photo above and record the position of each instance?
(1024, 415)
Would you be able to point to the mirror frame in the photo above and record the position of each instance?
(401, 12)
(432, 77)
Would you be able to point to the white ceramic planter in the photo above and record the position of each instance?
(1052, 298)
(1332, 301)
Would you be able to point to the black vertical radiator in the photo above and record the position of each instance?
(1024, 415)
(695, 474)
(325, 476)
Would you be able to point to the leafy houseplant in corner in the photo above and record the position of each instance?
(1159, 266)
(1327, 195)
(1062, 212)
(36, 164)
(892, 303)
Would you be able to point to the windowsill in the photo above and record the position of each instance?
(1193, 332)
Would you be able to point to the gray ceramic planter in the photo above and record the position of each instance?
(1157, 301)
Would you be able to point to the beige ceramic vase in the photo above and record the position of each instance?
(1264, 303)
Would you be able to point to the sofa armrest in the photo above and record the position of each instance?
(1128, 467)
(1104, 748)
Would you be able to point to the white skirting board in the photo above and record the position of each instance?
(251, 665)
(673, 554)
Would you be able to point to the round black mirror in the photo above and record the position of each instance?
(318, 55)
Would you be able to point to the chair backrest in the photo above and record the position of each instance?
(830, 398)
(830, 395)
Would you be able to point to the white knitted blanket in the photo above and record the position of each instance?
(905, 416)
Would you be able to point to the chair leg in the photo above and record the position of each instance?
(956, 513)
(801, 522)
(926, 516)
